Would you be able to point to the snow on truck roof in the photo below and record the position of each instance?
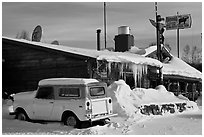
(99, 55)
(66, 81)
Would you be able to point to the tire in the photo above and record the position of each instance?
(71, 120)
(22, 116)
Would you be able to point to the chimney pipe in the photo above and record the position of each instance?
(123, 41)
(98, 38)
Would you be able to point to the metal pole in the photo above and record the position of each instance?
(98, 39)
(105, 23)
(177, 35)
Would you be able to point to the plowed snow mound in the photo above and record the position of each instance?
(126, 102)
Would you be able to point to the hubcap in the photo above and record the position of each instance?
(71, 121)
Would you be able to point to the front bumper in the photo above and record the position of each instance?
(12, 113)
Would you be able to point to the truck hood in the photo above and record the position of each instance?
(25, 95)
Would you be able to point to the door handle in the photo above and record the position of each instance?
(51, 102)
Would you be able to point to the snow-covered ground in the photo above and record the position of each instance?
(129, 120)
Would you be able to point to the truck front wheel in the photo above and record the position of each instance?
(22, 116)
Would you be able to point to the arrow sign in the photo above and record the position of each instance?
(161, 25)
(152, 22)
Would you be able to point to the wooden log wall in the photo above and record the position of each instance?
(24, 65)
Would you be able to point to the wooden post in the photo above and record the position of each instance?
(157, 35)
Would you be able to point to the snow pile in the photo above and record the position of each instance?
(157, 96)
(127, 102)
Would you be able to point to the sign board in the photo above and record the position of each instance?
(178, 21)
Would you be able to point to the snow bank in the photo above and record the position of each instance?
(127, 102)
(124, 101)
(159, 95)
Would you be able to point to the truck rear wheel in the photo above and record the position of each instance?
(71, 120)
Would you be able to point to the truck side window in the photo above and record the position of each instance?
(69, 92)
(97, 91)
(45, 93)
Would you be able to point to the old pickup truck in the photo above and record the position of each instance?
(70, 100)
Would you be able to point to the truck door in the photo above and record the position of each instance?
(43, 103)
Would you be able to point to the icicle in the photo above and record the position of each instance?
(121, 69)
(139, 74)
(109, 67)
(134, 70)
(139, 70)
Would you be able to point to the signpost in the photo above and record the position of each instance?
(178, 22)
(171, 23)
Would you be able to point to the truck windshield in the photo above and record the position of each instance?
(97, 91)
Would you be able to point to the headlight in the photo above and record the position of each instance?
(10, 109)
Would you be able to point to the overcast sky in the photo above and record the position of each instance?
(75, 24)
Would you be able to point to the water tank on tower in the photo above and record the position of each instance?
(123, 41)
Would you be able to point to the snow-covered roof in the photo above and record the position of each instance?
(178, 67)
(128, 57)
(107, 55)
(66, 81)
(80, 51)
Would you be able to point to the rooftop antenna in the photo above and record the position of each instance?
(105, 23)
